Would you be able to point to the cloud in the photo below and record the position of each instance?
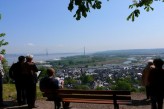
(30, 44)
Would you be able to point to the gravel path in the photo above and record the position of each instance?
(138, 102)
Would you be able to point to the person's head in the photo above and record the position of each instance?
(158, 63)
(150, 62)
(21, 59)
(50, 72)
(29, 58)
(1, 57)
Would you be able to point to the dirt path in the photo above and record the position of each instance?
(138, 102)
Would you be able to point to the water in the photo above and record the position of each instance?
(129, 60)
(12, 58)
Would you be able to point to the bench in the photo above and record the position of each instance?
(115, 97)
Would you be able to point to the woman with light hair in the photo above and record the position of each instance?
(30, 79)
(145, 75)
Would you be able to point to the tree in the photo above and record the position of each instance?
(70, 80)
(84, 6)
(82, 87)
(100, 88)
(86, 79)
(2, 42)
(2, 51)
(122, 85)
(6, 78)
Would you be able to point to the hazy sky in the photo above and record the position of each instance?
(32, 26)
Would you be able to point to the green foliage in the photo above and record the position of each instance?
(86, 79)
(84, 6)
(9, 92)
(70, 81)
(6, 78)
(142, 3)
(134, 14)
(84, 61)
(43, 72)
(2, 43)
(122, 84)
(83, 87)
(3, 51)
(109, 80)
(100, 88)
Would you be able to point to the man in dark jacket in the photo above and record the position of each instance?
(156, 82)
(15, 73)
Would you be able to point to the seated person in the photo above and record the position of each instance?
(51, 83)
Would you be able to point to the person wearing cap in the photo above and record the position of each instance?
(1, 80)
(51, 83)
(30, 80)
(145, 75)
(156, 83)
(16, 73)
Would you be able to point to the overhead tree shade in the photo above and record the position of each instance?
(84, 6)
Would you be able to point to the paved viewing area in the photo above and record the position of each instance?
(138, 102)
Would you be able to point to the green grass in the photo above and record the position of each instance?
(9, 92)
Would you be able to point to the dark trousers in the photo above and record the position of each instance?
(31, 94)
(58, 103)
(147, 92)
(157, 102)
(21, 93)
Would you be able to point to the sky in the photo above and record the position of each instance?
(34, 26)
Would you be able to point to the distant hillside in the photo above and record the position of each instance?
(132, 52)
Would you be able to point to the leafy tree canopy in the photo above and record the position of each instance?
(2, 42)
(84, 6)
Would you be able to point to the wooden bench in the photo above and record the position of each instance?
(115, 97)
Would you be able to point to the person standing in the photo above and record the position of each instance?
(156, 83)
(15, 73)
(30, 79)
(145, 75)
(1, 80)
